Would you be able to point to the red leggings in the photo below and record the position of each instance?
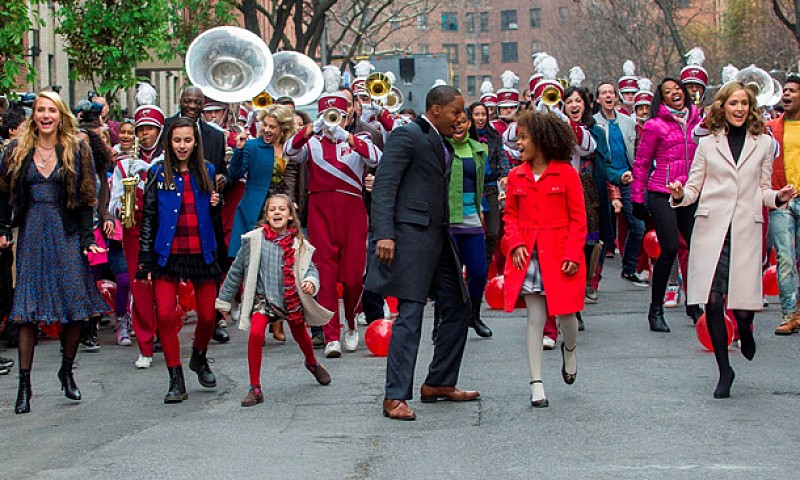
(255, 343)
(169, 319)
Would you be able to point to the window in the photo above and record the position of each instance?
(484, 53)
(449, 22)
(508, 20)
(456, 81)
(451, 50)
(536, 17)
(422, 21)
(471, 54)
(394, 25)
(509, 54)
(423, 48)
(471, 81)
(484, 21)
(469, 22)
(563, 15)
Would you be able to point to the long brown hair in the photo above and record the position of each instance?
(293, 223)
(716, 121)
(197, 165)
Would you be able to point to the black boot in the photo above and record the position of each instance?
(24, 393)
(199, 364)
(177, 387)
(694, 312)
(68, 385)
(581, 325)
(89, 336)
(437, 319)
(475, 321)
(220, 335)
(656, 318)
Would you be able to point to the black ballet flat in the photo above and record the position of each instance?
(541, 403)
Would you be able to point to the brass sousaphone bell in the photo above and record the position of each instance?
(378, 86)
(297, 76)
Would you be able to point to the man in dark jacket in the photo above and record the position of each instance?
(415, 257)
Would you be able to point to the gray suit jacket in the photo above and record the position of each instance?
(409, 205)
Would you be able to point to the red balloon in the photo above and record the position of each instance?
(108, 290)
(770, 281)
(186, 297)
(50, 329)
(650, 244)
(702, 331)
(392, 303)
(494, 292)
(378, 336)
(492, 270)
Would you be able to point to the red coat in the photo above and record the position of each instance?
(550, 214)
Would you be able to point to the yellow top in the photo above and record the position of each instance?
(791, 151)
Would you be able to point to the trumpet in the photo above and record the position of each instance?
(128, 204)
(378, 85)
(551, 95)
(262, 100)
(331, 117)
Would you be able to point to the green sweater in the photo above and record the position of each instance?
(465, 148)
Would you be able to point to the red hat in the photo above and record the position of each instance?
(694, 74)
(643, 97)
(541, 85)
(211, 105)
(508, 97)
(332, 100)
(148, 115)
(534, 80)
(489, 99)
(628, 84)
(359, 84)
(242, 115)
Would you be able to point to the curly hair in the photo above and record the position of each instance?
(549, 133)
(285, 118)
(716, 121)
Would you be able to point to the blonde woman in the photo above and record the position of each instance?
(730, 181)
(262, 161)
(47, 186)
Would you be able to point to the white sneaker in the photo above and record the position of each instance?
(333, 349)
(548, 343)
(144, 362)
(672, 296)
(351, 339)
(645, 275)
(361, 319)
(222, 323)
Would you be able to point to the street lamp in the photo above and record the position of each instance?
(35, 45)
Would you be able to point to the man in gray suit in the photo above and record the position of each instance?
(415, 257)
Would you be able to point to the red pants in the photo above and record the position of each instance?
(337, 227)
(255, 344)
(169, 319)
(143, 313)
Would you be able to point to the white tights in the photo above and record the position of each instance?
(537, 316)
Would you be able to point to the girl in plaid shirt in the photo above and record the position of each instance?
(280, 280)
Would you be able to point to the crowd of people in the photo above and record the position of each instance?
(273, 217)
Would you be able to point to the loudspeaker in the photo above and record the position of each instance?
(407, 69)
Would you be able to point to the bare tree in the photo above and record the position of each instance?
(296, 24)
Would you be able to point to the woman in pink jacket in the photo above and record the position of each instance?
(665, 155)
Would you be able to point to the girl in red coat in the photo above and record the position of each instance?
(545, 229)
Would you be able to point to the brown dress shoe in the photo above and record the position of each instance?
(319, 372)
(792, 325)
(430, 393)
(398, 410)
(254, 396)
(277, 332)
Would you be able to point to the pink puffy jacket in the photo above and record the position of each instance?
(667, 144)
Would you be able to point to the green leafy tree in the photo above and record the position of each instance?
(192, 17)
(16, 19)
(105, 39)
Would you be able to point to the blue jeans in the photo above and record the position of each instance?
(633, 242)
(784, 230)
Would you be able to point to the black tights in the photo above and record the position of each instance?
(27, 337)
(669, 222)
(717, 330)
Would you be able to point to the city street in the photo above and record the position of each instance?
(641, 407)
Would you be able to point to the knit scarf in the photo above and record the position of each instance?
(285, 240)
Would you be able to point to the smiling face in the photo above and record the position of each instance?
(192, 102)
(607, 98)
(270, 130)
(480, 116)
(278, 214)
(574, 107)
(183, 142)
(461, 130)
(736, 108)
(444, 118)
(527, 149)
(46, 116)
(673, 96)
(126, 136)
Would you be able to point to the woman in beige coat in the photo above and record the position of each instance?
(730, 181)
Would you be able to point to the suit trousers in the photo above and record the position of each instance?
(450, 340)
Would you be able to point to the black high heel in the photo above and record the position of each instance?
(569, 378)
(723, 389)
(68, 385)
(541, 403)
(24, 393)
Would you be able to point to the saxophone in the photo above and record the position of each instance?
(129, 183)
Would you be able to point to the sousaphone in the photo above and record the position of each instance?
(297, 76)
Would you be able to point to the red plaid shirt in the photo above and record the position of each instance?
(187, 233)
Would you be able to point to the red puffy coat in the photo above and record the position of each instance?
(550, 214)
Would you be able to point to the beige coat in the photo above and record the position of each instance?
(729, 195)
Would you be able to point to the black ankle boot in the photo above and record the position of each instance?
(24, 393)
(68, 385)
(475, 320)
(694, 312)
(656, 318)
(177, 386)
(199, 364)
(723, 389)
